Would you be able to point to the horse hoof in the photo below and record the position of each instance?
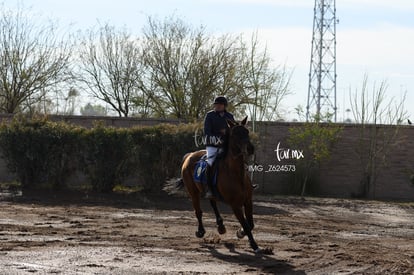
(221, 229)
(240, 233)
(200, 233)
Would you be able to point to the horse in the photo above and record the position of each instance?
(233, 183)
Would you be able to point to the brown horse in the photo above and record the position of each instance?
(233, 183)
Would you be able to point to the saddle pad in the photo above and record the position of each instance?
(200, 172)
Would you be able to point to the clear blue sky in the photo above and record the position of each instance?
(375, 37)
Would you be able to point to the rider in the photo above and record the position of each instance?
(215, 129)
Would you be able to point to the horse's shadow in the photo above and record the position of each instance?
(254, 262)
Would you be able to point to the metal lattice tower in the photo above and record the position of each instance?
(322, 74)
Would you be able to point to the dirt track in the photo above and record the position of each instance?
(156, 235)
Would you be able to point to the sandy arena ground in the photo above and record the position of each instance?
(155, 235)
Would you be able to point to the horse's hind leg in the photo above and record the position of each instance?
(219, 220)
(238, 212)
(199, 214)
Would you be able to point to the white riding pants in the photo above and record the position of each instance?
(212, 153)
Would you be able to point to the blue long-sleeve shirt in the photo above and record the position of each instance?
(215, 127)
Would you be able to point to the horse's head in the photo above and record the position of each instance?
(239, 140)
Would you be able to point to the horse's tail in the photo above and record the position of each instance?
(174, 186)
(179, 184)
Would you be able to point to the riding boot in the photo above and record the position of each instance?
(209, 176)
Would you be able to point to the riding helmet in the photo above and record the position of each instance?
(220, 100)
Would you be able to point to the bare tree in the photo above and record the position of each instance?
(370, 109)
(44, 105)
(265, 86)
(111, 67)
(186, 67)
(33, 58)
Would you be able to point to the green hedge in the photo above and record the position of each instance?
(45, 154)
(159, 151)
(40, 152)
(106, 156)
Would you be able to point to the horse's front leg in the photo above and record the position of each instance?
(219, 220)
(248, 211)
(238, 212)
(199, 214)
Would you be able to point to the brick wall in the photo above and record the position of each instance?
(340, 176)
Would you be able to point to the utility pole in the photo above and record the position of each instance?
(322, 72)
